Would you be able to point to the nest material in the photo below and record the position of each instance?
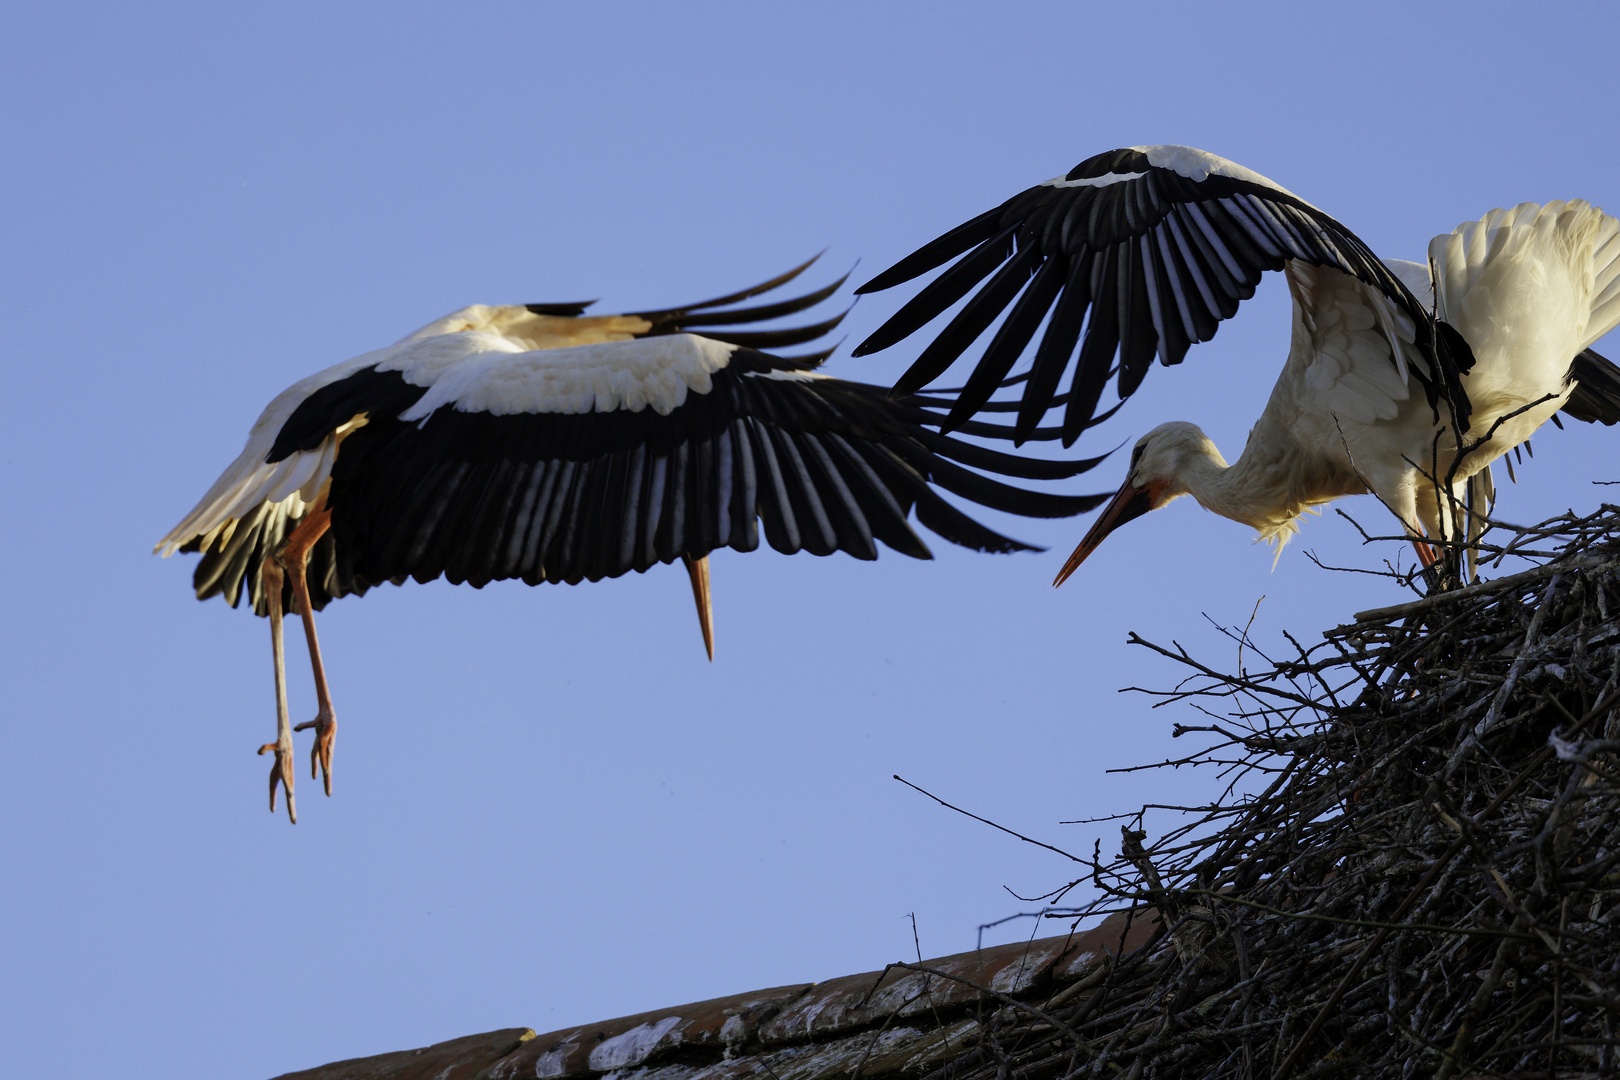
(1422, 877)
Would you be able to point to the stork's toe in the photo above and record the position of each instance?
(320, 755)
(281, 772)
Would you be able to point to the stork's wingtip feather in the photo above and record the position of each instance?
(802, 267)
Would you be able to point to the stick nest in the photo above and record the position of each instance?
(1414, 869)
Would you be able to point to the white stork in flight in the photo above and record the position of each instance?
(1160, 243)
(536, 442)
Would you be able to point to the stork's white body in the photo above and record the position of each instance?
(1528, 288)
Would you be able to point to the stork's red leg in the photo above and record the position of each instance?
(282, 771)
(699, 571)
(295, 555)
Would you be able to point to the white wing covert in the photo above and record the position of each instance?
(1509, 257)
(1345, 337)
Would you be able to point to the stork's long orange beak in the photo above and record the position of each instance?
(1131, 502)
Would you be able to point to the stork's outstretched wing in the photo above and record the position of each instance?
(540, 443)
(825, 465)
(1159, 244)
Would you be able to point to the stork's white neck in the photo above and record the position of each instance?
(1236, 493)
(1265, 489)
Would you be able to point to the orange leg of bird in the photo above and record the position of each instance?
(698, 569)
(1426, 554)
(295, 555)
(281, 772)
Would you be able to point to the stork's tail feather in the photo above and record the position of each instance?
(239, 560)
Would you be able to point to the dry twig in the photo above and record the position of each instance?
(1428, 883)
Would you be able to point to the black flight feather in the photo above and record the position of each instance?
(1596, 398)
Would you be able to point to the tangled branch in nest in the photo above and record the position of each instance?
(1426, 883)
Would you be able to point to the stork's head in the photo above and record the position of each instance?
(1160, 463)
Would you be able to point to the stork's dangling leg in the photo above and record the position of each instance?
(294, 556)
(282, 771)
(699, 571)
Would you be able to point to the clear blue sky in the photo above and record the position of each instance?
(549, 809)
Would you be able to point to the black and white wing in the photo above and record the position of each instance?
(473, 451)
(467, 488)
(1158, 244)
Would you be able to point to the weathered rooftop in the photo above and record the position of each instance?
(899, 1023)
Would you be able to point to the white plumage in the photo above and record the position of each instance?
(1520, 286)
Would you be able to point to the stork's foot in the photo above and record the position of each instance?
(281, 772)
(1433, 564)
(320, 755)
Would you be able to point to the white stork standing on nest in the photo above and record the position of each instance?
(1160, 243)
(536, 442)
